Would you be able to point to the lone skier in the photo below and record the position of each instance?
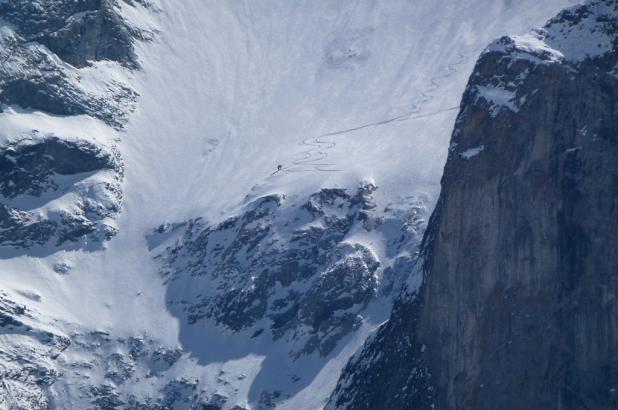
(279, 167)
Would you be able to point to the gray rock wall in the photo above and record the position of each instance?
(518, 309)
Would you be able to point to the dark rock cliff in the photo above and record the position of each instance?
(518, 303)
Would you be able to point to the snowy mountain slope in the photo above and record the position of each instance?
(61, 109)
(338, 93)
(60, 113)
(266, 78)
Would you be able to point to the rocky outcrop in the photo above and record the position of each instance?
(294, 264)
(27, 357)
(76, 31)
(44, 45)
(56, 190)
(27, 166)
(88, 369)
(518, 308)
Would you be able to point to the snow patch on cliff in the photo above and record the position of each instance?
(472, 152)
(498, 98)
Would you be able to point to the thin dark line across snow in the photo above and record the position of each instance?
(313, 158)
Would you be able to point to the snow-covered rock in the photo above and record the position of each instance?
(574, 36)
(61, 179)
(301, 269)
(29, 348)
(57, 191)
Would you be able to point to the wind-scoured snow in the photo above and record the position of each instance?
(335, 92)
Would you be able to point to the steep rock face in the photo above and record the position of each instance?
(518, 306)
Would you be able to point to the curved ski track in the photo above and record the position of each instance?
(313, 158)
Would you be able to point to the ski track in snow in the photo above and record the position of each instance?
(312, 158)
